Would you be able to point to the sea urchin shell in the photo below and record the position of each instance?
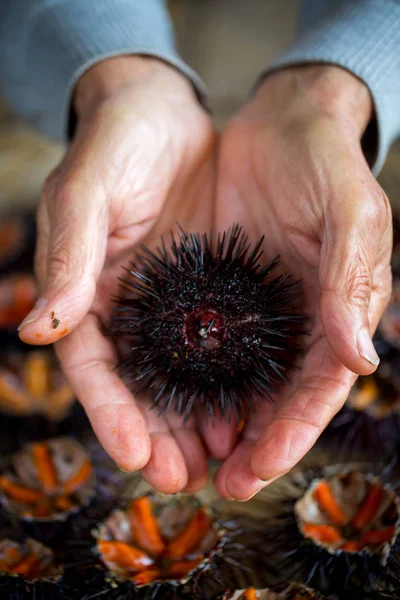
(283, 591)
(31, 383)
(160, 547)
(48, 480)
(30, 560)
(339, 532)
(29, 570)
(207, 324)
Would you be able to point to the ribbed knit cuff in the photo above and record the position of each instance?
(61, 39)
(362, 36)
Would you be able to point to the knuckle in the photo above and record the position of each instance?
(42, 221)
(377, 212)
(49, 185)
(358, 283)
(40, 264)
(59, 199)
(52, 181)
(68, 193)
(59, 261)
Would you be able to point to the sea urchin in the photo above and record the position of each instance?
(283, 591)
(207, 324)
(339, 531)
(48, 480)
(161, 547)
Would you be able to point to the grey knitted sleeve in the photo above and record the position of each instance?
(46, 45)
(362, 36)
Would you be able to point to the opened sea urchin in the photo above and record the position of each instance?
(28, 569)
(339, 532)
(283, 591)
(47, 480)
(207, 323)
(162, 547)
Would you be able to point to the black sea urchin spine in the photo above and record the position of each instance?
(208, 325)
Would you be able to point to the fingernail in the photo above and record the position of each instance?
(366, 347)
(121, 469)
(249, 498)
(258, 490)
(34, 314)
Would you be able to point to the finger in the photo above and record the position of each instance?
(42, 243)
(88, 360)
(322, 390)
(356, 235)
(219, 434)
(71, 263)
(166, 470)
(235, 479)
(193, 451)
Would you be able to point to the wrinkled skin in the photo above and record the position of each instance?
(145, 155)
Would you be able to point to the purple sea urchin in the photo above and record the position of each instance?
(207, 323)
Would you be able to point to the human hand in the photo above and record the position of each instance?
(141, 159)
(291, 167)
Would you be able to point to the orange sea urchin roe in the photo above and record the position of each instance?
(249, 594)
(144, 526)
(349, 512)
(29, 559)
(47, 478)
(165, 556)
(32, 383)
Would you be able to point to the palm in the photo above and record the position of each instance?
(260, 191)
(146, 203)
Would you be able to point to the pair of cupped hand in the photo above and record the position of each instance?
(289, 166)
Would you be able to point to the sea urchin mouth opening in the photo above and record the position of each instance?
(207, 324)
(204, 329)
(350, 512)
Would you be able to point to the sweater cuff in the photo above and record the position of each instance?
(364, 38)
(67, 37)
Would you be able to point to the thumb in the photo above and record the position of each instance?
(349, 253)
(72, 242)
